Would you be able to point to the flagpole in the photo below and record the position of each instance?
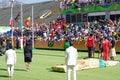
(21, 27)
(32, 27)
(12, 19)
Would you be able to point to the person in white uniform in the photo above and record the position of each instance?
(10, 56)
(71, 56)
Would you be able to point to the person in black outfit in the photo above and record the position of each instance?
(27, 55)
(17, 43)
(29, 40)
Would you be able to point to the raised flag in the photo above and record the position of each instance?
(11, 24)
(17, 17)
(27, 22)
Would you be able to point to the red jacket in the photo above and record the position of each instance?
(90, 41)
(105, 44)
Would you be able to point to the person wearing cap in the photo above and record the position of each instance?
(66, 44)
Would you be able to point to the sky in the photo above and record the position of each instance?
(31, 1)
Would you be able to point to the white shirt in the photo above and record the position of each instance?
(71, 56)
(10, 55)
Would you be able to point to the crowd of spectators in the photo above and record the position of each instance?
(66, 4)
(59, 30)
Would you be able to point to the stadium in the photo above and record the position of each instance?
(47, 25)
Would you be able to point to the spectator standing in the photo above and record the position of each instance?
(71, 61)
(90, 44)
(100, 53)
(27, 55)
(105, 46)
(93, 51)
(10, 56)
(4, 45)
(112, 49)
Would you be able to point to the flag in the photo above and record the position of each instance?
(27, 22)
(11, 24)
(17, 17)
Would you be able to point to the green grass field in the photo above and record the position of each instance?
(42, 62)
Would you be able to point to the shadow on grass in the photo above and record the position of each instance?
(2, 69)
(19, 69)
(50, 70)
(4, 76)
(50, 55)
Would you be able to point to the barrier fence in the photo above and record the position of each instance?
(59, 45)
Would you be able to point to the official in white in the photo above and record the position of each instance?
(71, 55)
(10, 56)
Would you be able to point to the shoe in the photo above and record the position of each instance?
(28, 70)
(10, 77)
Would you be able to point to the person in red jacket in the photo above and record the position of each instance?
(105, 46)
(90, 44)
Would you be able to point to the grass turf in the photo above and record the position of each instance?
(42, 62)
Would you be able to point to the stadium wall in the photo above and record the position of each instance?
(59, 45)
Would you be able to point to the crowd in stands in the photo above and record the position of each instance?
(59, 30)
(66, 4)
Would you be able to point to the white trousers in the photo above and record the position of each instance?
(10, 69)
(69, 69)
